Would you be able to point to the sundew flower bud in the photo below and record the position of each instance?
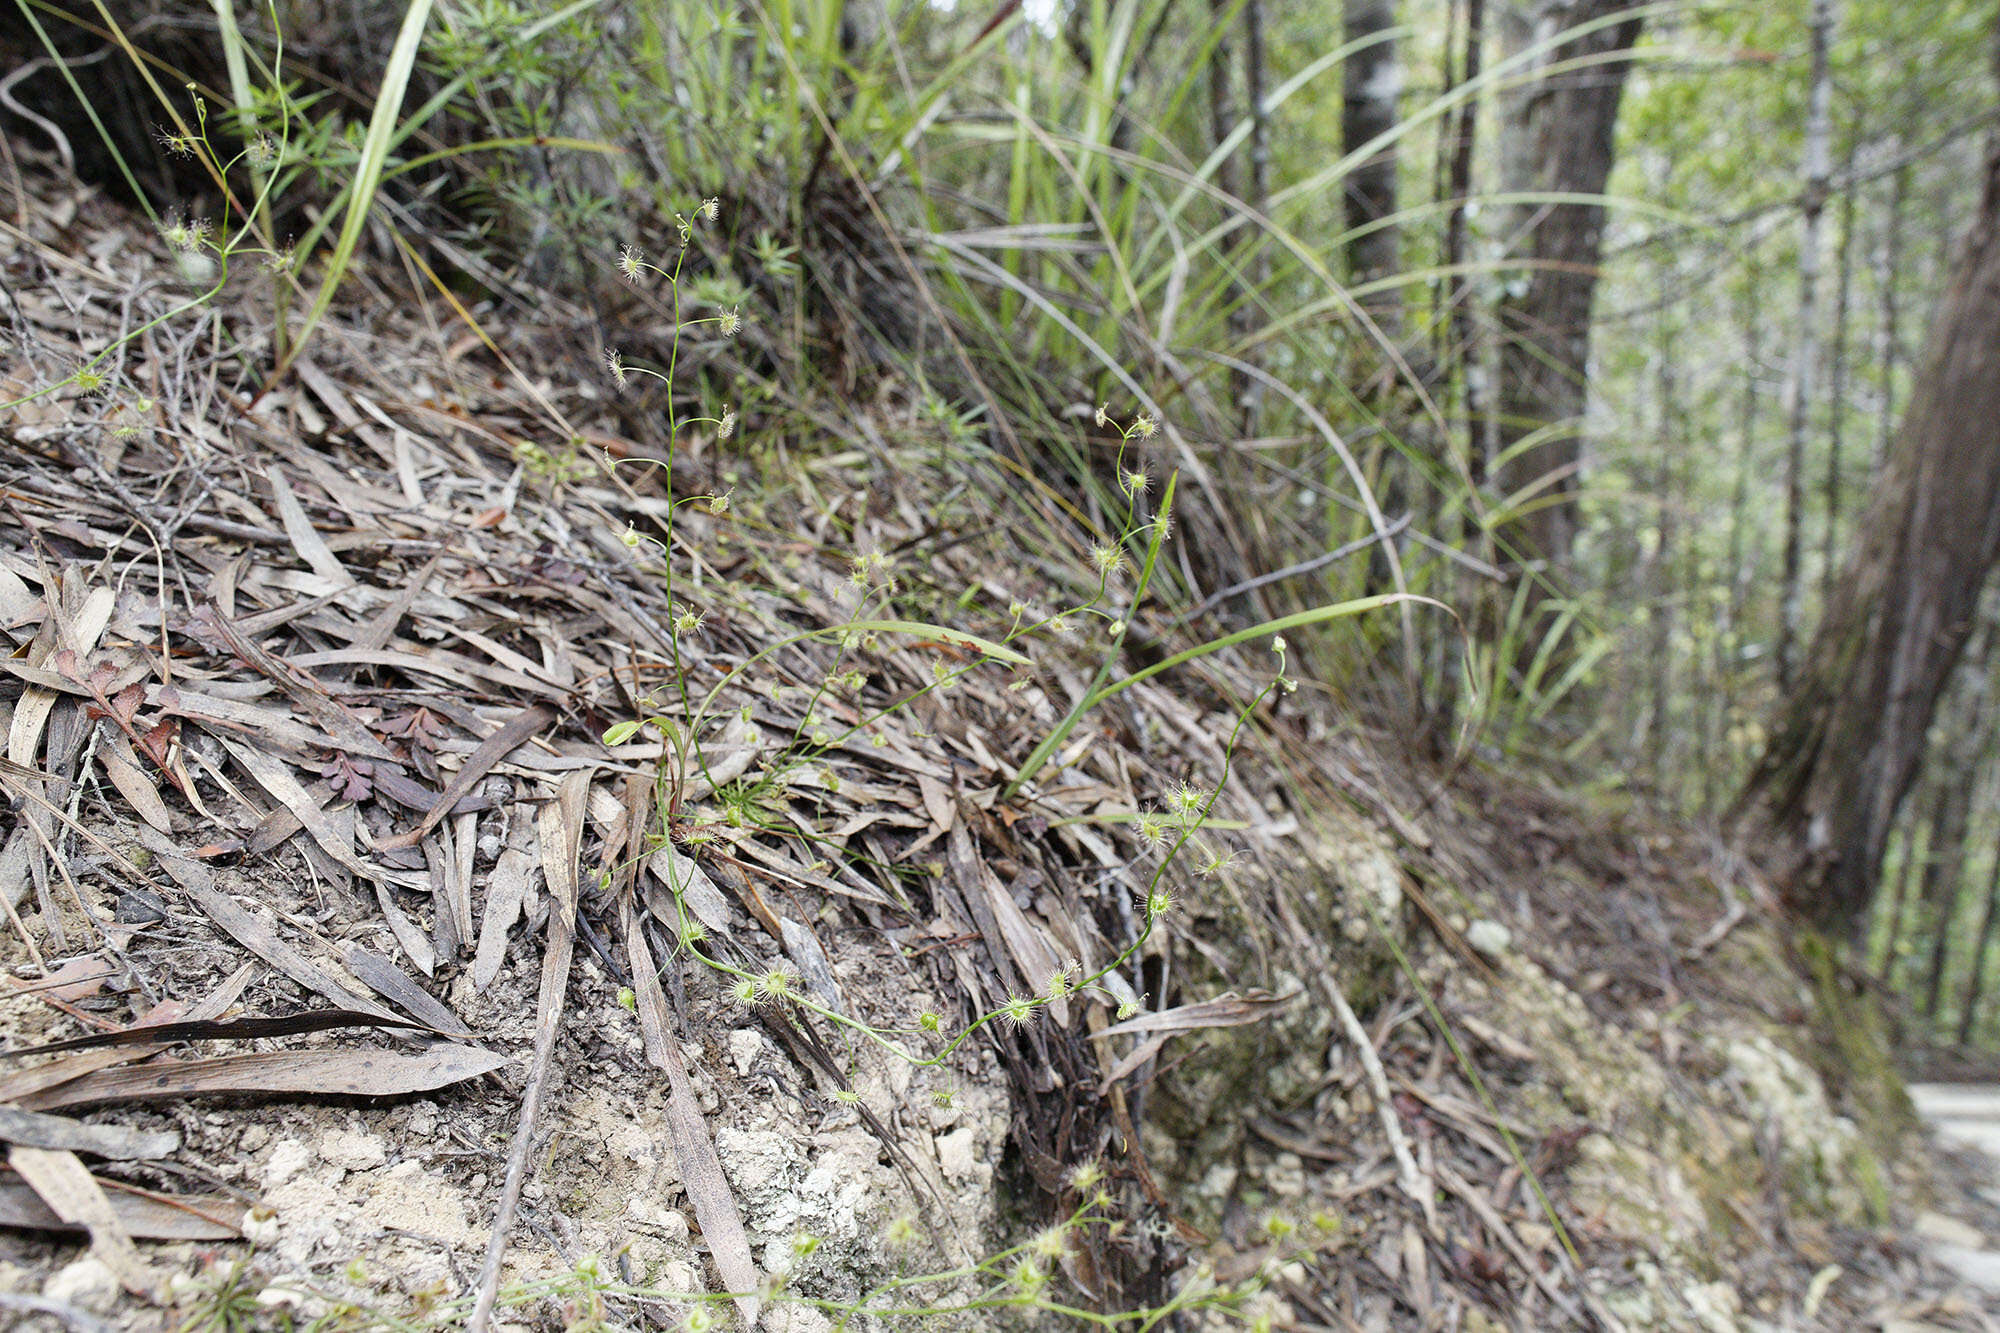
(186, 234)
(630, 536)
(729, 321)
(1160, 902)
(631, 262)
(1018, 1010)
(1026, 1277)
(726, 427)
(778, 985)
(688, 621)
(1104, 415)
(1126, 1009)
(1187, 800)
(710, 209)
(615, 363)
(1050, 1243)
(1136, 482)
(1145, 427)
(1108, 559)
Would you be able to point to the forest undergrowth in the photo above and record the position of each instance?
(872, 756)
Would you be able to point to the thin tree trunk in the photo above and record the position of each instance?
(1260, 177)
(1944, 871)
(1849, 737)
(1805, 351)
(1836, 389)
(1253, 94)
(1889, 336)
(1560, 141)
(1737, 571)
(1664, 569)
(1975, 986)
(1961, 765)
(1221, 95)
(1459, 326)
(1915, 825)
(1371, 83)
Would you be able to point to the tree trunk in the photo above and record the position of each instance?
(1893, 938)
(1805, 351)
(1250, 396)
(1975, 986)
(1944, 870)
(1889, 336)
(1836, 389)
(1221, 95)
(1458, 327)
(1664, 581)
(1558, 138)
(1737, 568)
(1850, 733)
(1371, 82)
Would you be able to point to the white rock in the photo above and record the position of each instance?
(87, 1284)
(679, 1277)
(745, 1045)
(955, 1151)
(287, 1159)
(1489, 937)
(351, 1151)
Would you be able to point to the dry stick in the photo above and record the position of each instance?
(1497, 1227)
(1407, 1174)
(561, 831)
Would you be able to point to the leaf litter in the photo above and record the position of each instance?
(305, 708)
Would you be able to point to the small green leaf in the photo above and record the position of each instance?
(622, 732)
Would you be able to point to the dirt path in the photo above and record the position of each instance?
(1965, 1115)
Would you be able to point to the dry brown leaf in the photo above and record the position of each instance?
(31, 1129)
(305, 539)
(701, 1169)
(121, 765)
(1224, 1011)
(360, 1072)
(74, 1196)
(506, 892)
(559, 828)
(144, 1215)
(387, 980)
